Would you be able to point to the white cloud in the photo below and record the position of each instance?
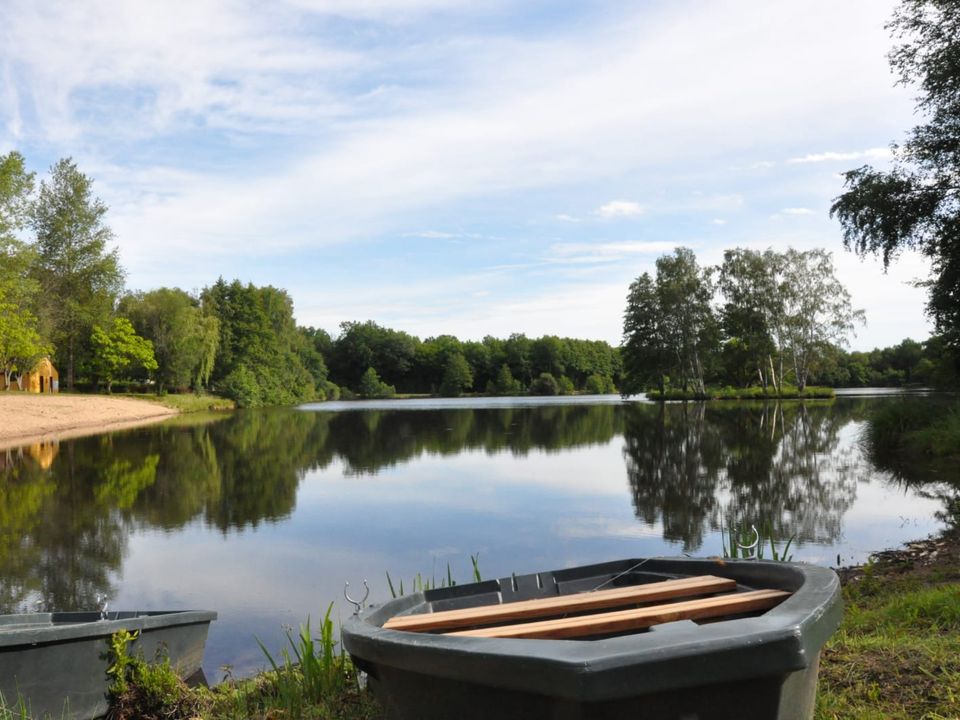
(572, 253)
(432, 235)
(563, 217)
(797, 211)
(718, 221)
(871, 154)
(619, 208)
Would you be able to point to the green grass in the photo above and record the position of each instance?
(750, 393)
(187, 402)
(897, 653)
(310, 679)
(913, 428)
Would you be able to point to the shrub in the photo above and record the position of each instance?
(546, 384)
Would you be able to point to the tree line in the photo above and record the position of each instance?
(760, 318)
(62, 294)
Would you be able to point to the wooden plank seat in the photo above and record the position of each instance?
(562, 605)
(635, 619)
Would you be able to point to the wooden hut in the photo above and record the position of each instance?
(44, 378)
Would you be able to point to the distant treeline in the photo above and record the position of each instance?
(62, 294)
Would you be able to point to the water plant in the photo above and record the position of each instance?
(421, 583)
(742, 543)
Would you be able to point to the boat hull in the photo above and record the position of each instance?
(56, 663)
(750, 668)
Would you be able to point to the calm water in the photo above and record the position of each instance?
(263, 515)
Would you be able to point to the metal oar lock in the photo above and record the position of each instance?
(357, 604)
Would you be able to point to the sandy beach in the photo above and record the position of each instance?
(28, 418)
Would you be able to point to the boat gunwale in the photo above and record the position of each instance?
(12, 636)
(782, 640)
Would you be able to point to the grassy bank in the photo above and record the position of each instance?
(909, 429)
(186, 402)
(897, 654)
(750, 393)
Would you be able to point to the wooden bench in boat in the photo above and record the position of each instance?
(502, 618)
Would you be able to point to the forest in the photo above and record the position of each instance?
(780, 317)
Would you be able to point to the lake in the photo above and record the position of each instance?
(263, 515)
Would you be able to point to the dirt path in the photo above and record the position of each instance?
(28, 418)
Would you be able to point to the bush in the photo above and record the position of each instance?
(241, 385)
(565, 386)
(372, 387)
(598, 384)
(331, 391)
(546, 384)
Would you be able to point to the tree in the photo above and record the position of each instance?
(118, 349)
(818, 310)
(690, 329)
(259, 340)
(750, 313)
(505, 383)
(644, 348)
(916, 204)
(79, 278)
(371, 386)
(184, 338)
(20, 342)
(457, 376)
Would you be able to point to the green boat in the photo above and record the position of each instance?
(55, 664)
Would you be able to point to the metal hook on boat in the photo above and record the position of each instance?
(357, 604)
(752, 547)
(103, 603)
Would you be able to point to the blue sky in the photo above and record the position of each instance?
(453, 166)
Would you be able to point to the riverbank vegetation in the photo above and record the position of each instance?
(910, 430)
(897, 654)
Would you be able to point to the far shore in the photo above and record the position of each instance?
(27, 418)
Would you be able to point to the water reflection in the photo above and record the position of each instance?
(68, 511)
(695, 467)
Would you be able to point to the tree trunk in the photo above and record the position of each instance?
(70, 364)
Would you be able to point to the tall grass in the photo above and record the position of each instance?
(737, 541)
(422, 583)
(914, 427)
(310, 671)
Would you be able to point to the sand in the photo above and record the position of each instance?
(26, 418)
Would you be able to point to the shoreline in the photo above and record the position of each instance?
(26, 419)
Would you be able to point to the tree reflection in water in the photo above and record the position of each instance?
(694, 466)
(67, 511)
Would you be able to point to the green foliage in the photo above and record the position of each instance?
(241, 385)
(184, 339)
(372, 387)
(669, 326)
(421, 583)
(121, 661)
(310, 671)
(786, 392)
(119, 349)
(599, 385)
(457, 376)
(913, 205)
(504, 384)
(545, 384)
(260, 356)
(742, 542)
(907, 429)
(79, 277)
(565, 386)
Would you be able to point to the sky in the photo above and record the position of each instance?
(462, 167)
